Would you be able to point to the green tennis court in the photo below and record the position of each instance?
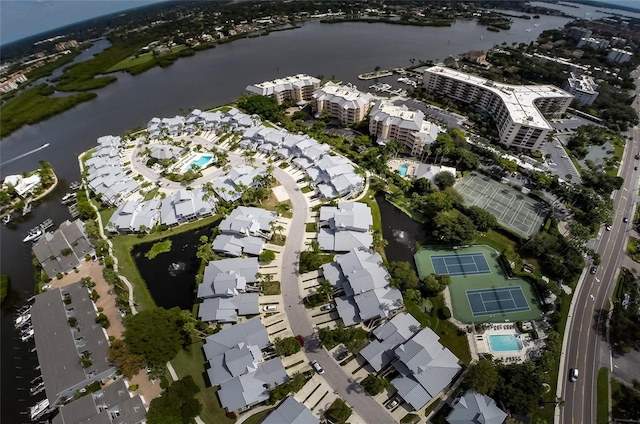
(480, 293)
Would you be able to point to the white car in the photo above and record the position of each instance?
(270, 308)
(316, 366)
(46, 287)
(573, 375)
(608, 227)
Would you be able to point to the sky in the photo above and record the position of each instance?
(23, 18)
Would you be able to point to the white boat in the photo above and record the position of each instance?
(33, 234)
(27, 335)
(36, 388)
(38, 409)
(22, 320)
(6, 219)
(68, 198)
(75, 185)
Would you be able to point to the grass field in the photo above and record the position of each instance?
(192, 363)
(158, 248)
(603, 396)
(256, 418)
(134, 61)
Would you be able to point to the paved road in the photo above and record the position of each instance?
(346, 387)
(586, 349)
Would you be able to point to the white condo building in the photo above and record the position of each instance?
(517, 109)
(619, 55)
(390, 122)
(297, 88)
(582, 87)
(343, 102)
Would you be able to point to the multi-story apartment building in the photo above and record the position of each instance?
(516, 109)
(342, 102)
(297, 88)
(594, 43)
(390, 122)
(576, 33)
(619, 56)
(582, 87)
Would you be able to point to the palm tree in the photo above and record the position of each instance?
(379, 242)
(281, 208)
(325, 288)
(277, 229)
(248, 157)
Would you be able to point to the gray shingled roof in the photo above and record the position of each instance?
(228, 276)
(70, 235)
(249, 389)
(252, 331)
(59, 345)
(399, 329)
(474, 408)
(227, 309)
(290, 411)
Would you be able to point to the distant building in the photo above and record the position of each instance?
(113, 404)
(66, 45)
(60, 345)
(576, 33)
(297, 88)
(594, 43)
(582, 87)
(228, 277)
(390, 122)
(23, 186)
(134, 215)
(619, 56)
(244, 231)
(12, 83)
(64, 249)
(345, 103)
(186, 205)
(516, 109)
(475, 56)
(230, 186)
(473, 407)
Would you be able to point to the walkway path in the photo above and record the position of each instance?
(346, 387)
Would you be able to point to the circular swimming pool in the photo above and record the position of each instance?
(505, 343)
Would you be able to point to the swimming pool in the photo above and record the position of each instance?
(402, 169)
(505, 342)
(201, 162)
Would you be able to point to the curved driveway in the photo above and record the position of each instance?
(345, 386)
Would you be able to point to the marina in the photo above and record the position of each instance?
(69, 198)
(36, 232)
(38, 409)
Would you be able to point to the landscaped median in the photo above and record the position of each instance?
(603, 396)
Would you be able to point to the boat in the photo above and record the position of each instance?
(6, 219)
(27, 335)
(35, 389)
(22, 320)
(38, 409)
(35, 380)
(68, 198)
(33, 234)
(75, 185)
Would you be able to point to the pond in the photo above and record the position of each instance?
(171, 276)
(402, 232)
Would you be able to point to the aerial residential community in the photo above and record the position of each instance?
(447, 239)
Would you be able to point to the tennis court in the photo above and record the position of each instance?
(497, 300)
(460, 264)
(514, 210)
(481, 289)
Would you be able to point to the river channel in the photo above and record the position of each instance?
(205, 80)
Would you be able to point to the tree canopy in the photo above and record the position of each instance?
(435, 283)
(455, 229)
(482, 219)
(287, 346)
(177, 405)
(444, 179)
(519, 387)
(482, 377)
(264, 106)
(402, 275)
(157, 334)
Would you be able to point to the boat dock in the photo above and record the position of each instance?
(47, 224)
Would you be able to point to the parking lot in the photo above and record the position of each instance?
(559, 163)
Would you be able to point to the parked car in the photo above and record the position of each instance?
(316, 366)
(270, 308)
(300, 340)
(573, 375)
(329, 307)
(593, 270)
(343, 355)
(46, 287)
(625, 219)
(608, 227)
(392, 403)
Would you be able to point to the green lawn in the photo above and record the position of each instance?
(271, 288)
(603, 396)
(370, 200)
(311, 227)
(256, 418)
(122, 245)
(133, 61)
(191, 363)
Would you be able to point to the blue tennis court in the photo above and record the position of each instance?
(460, 264)
(497, 300)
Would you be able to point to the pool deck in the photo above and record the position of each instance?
(482, 347)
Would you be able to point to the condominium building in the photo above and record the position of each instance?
(619, 56)
(576, 33)
(390, 122)
(297, 88)
(516, 109)
(594, 43)
(582, 87)
(343, 102)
